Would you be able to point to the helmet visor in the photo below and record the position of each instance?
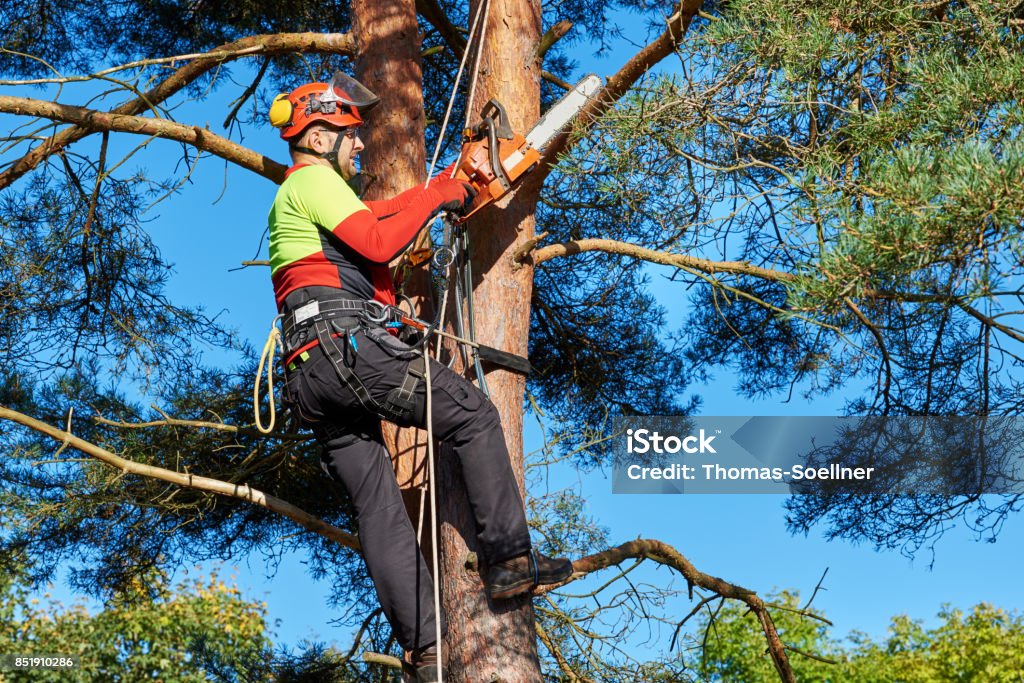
(347, 90)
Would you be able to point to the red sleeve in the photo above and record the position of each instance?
(389, 207)
(382, 240)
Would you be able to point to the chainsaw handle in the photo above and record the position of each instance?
(493, 150)
(494, 111)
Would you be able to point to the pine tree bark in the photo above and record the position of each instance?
(488, 641)
(485, 641)
(388, 41)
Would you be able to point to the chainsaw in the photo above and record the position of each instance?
(494, 158)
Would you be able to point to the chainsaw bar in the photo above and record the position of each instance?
(556, 118)
(494, 158)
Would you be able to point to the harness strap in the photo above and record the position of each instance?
(400, 401)
(345, 374)
(330, 308)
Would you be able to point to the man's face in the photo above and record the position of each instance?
(345, 140)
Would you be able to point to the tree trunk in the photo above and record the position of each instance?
(388, 40)
(490, 642)
(482, 643)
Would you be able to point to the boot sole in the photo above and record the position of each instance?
(518, 588)
(525, 586)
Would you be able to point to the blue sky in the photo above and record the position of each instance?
(217, 222)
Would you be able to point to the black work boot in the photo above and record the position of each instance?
(424, 662)
(521, 574)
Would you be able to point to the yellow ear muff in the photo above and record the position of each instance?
(281, 111)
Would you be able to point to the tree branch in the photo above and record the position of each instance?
(269, 45)
(556, 652)
(665, 554)
(552, 36)
(436, 16)
(555, 80)
(238, 491)
(90, 120)
(527, 253)
(382, 659)
(197, 424)
(249, 92)
(618, 85)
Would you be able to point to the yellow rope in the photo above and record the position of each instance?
(273, 342)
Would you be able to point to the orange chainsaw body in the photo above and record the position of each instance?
(515, 157)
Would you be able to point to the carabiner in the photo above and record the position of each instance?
(381, 316)
(444, 257)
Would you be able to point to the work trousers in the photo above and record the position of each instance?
(354, 454)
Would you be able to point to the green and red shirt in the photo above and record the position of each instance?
(322, 235)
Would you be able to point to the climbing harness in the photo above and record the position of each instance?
(341, 318)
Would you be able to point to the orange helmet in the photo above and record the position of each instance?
(337, 103)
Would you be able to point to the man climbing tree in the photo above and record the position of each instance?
(329, 254)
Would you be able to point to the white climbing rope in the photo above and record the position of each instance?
(431, 474)
(481, 11)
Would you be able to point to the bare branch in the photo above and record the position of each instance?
(435, 14)
(663, 257)
(89, 120)
(385, 660)
(238, 491)
(552, 36)
(277, 44)
(556, 652)
(665, 554)
(528, 253)
(555, 80)
(249, 92)
(196, 424)
(989, 321)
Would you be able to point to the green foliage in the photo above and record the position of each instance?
(117, 525)
(985, 644)
(851, 175)
(81, 281)
(849, 172)
(189, 634)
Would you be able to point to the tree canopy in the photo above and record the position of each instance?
(834, 188)
(197, 631)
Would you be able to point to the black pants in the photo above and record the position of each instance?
(354, 454)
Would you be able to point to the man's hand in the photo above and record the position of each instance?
(456, 195)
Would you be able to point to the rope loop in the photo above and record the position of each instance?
(273, 344)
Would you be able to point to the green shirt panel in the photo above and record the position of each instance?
(310, 198)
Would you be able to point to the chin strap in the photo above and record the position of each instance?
(331, 156)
